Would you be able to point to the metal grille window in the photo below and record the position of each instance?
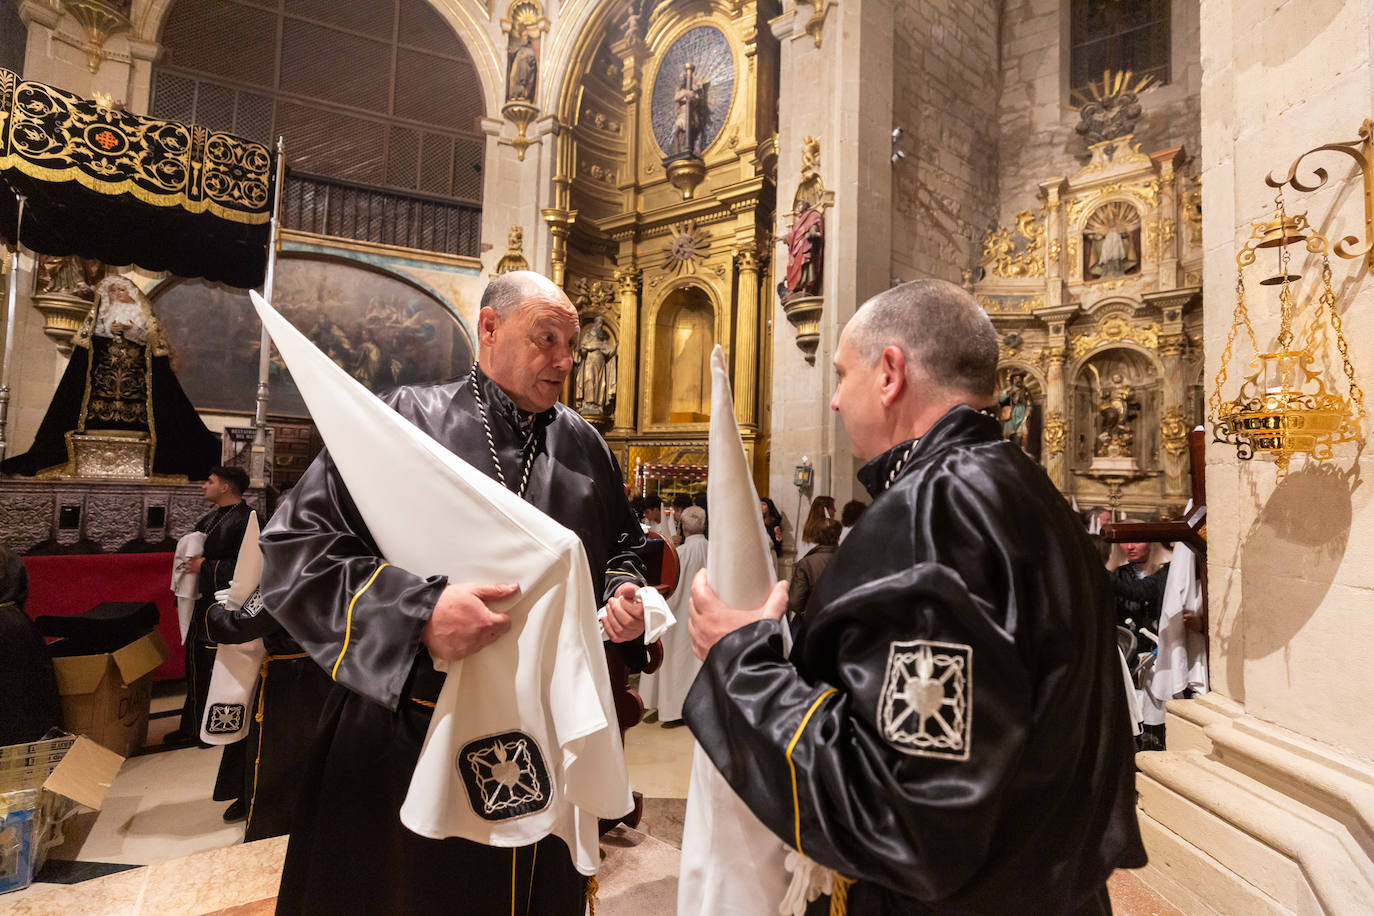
(378, 103)
(14, 36)
(1118, 35)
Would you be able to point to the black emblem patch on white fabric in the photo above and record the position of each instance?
(224, 718)
(505, 776)
(926, 707)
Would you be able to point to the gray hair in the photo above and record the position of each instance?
(693, 520)
(508, 291)
(940, 329)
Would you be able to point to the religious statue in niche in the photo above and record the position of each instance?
(1117, 412)
(595, 379)
(693, 111)
(69, 275)
(1111, 236)
(1016, 406)
(120, 382)
(523, 69)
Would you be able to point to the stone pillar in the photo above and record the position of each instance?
(1261, 803)
(627, 390)
(746, 337)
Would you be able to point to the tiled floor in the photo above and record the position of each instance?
(159, 809)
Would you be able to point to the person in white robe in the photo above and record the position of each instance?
(666, 688)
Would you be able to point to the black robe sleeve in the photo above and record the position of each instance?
(765, 726)
(324, 580)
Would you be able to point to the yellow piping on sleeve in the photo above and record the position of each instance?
(348, 627)
(796, 805)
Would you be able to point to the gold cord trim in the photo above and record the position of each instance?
(839, 897)
(796, 805)
(262, 703)
(529, 898)
(428, 703)
(348, 626)
(592, 889)
(514, 854)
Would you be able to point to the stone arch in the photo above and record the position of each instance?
(662, 323)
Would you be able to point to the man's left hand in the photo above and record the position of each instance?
(194, 564)
(711, 619)
(624, 618)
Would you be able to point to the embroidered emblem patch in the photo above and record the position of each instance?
(224, 718)
(252, 606)
(926, 707)
(504, 775)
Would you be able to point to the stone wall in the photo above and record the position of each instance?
(945, 88)
(1262, 801)
(1037, 138)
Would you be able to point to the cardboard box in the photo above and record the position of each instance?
(42, 784)
(106, 696)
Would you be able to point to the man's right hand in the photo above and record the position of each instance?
(462, 623)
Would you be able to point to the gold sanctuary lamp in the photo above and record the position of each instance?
(1285, 407)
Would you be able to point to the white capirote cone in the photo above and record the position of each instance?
(732, 865)
(228, 704)
(431, 513)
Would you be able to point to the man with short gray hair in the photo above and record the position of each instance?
(949, 733)
(378, 629)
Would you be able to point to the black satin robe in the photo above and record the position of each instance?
(286, 710)
(970, 547)
(324, 581)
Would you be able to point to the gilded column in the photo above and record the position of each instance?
(1173, 427)
(1054, 431)
(627, 356)
(747, 337)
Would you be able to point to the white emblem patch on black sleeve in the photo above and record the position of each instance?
(224, 718)
(505, 776)
(926, 707)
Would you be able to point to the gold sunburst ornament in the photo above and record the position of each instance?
(1286, 407)
(688, 246)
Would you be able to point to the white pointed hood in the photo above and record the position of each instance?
(732, 865)
(540, 694)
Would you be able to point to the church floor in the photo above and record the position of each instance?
(159, 814)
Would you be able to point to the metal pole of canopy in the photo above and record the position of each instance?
(259, 457)
(12, 275)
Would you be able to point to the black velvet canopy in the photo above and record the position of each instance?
(127, 189)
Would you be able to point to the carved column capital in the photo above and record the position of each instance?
(1172, 345)
(747, 257)
(627, 281)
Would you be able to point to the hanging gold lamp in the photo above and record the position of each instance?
(1285, 407)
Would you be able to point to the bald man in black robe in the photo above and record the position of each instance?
(375, 627)
(949, 733)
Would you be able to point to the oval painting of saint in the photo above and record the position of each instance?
(692, 91)
(380, 329)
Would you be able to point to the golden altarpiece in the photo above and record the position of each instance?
(1096, 296)
(665, 193)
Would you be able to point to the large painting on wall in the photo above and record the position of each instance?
(382, 330)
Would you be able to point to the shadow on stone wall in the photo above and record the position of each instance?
(1289, 559)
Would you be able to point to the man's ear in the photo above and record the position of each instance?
(891, 374)
(487, 323)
